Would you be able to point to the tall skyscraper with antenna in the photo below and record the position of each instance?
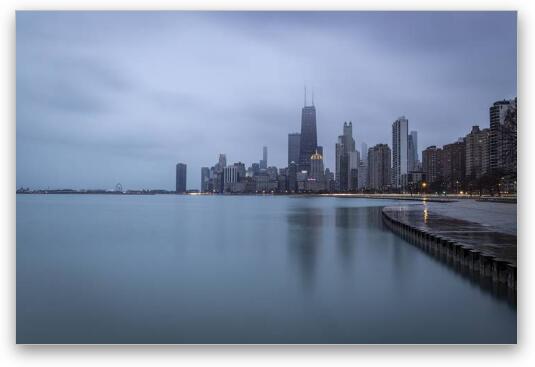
(309, 141)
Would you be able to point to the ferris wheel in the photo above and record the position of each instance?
(119, 187)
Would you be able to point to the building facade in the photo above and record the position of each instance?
(205, 179)
(308, 142)
(412, 147)
(502, 143)
(454, 164)
(181, 176)
(477, 153)
(399, 150)
(379, 169)
(293, 147)
(432, 163)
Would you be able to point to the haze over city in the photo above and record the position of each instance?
(122, 97)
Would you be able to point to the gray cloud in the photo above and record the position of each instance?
(106, 97)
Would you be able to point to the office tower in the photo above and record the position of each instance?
(292, 177)
(316, 166)
(348, 141)
(502, 143)
(205, 179)
(345, 145)
(412, 142)
(241, 170)
(362, 174)
(338, 152)
(432, 163)
(399, 150)
(329, 180)
(354, 160)
(364, 152)
(316, 177)
(181, 169)
(263, 162)
(379, 170)
(454, 164)
(344, 172)
(293, 147)
(255, 168)
(222, 161)
(309, 142)
(230, 176)
(477, 153)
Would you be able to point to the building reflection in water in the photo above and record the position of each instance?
(347, 221)
(305, 231)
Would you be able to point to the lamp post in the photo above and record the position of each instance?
(424, 185)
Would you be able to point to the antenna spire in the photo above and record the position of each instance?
(305, 95)
(312, 96)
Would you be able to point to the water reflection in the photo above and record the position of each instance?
(305, 227)
(347, 221)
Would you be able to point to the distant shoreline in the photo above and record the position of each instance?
(430, 198)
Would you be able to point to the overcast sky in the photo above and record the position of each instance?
(108, 97)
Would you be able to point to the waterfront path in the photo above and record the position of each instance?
(486, 227)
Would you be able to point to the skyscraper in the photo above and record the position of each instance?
(379, 170)
(263, 162)
(222, 161)
(205, 179)
(399, 150)
(316, 177)
(293, 147)
(345, 145)
(503, 136)
(412, 141)
(181, 169)
(309, 141)
(354, 160)
(364, 152)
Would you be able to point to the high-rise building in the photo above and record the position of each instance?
(399, 150)
(348, 141)
(263, 162)
(205, 179)
(316, 178)
(362, 181)
(454, 164)
(293, 147)
(309, 141)
(502, 144)
(292, 177)
(345, 145)
(432, 163)
(364, 152)
(477, 152)
(354, 161)
(412, 147)
(181, 170)
(222, 161)
(344, 174)
(379, 169)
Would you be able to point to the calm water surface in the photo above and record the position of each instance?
(214, 269)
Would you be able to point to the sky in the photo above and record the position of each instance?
(121, 97)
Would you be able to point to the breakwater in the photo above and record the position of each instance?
(467, 246)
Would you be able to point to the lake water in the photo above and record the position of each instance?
(233, 269)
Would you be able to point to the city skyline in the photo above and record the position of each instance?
(119, 140)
